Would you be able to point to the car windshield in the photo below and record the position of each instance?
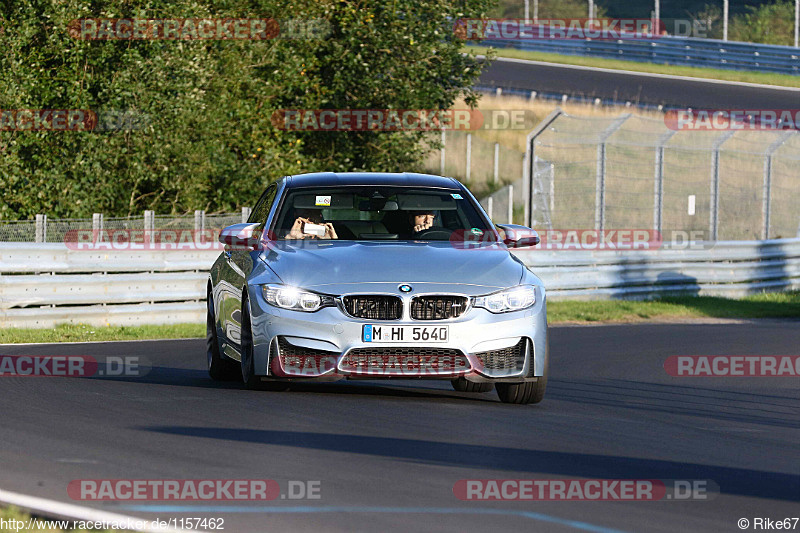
(379, 213)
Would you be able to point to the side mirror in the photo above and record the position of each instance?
(515, 236)
(240, 236)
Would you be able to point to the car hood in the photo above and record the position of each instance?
(338, 267)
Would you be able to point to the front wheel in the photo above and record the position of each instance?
(522, 393)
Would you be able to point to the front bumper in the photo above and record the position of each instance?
(328, 344)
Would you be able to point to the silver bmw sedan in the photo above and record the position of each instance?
(376, 276)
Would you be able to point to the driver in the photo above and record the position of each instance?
(420, 221)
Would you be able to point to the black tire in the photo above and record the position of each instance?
(464, 385)
(219, 368)
(522, 393)
(249, 378)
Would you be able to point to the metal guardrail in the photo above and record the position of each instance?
(732, 269)
(672, 50)
(42, 285)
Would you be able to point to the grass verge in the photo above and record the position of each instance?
(42, 524)
(84, 333)
(768, 78)
(767, 305)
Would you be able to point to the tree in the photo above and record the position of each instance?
(767, 24)
(202, 135)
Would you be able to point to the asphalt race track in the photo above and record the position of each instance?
(635, 87)
(388, 454)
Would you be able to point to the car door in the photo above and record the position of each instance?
(238, 265)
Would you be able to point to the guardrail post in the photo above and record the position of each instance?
(149, 226)
(246, 213)
(766, 206)
(496, 161)
(658, 187)
(469, 155)
(529, 162)
(600, 186)
(41, 228)
(714, 201)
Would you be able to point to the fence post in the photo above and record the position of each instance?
(97, 227)
(527, 186)
(41, 228)
(149, 226)
(766, 206)
(658, 187)
(600, 186)
(529, 162)
(511, 204)
(496, 161)
(469, 155)
(199, 220)
(713, 207)
(246, 213)
(600, 189)
(490, 207)
(441, 154)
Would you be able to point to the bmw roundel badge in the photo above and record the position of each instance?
(405, 288)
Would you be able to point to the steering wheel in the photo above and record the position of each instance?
(434, 233)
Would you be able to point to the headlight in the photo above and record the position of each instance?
(513, 299)
(288, 297)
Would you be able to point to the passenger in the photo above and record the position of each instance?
(310, 216)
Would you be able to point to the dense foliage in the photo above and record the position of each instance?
(202, 135)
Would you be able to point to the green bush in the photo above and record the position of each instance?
(207, 140)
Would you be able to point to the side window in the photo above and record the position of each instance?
(261, 210)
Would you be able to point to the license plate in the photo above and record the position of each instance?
(415, 334)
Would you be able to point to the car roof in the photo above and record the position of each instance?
(410, 179)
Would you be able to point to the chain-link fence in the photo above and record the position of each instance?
(482, 165)
(605, 173)
(630, 172)
(492, 171)
(44, 229)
